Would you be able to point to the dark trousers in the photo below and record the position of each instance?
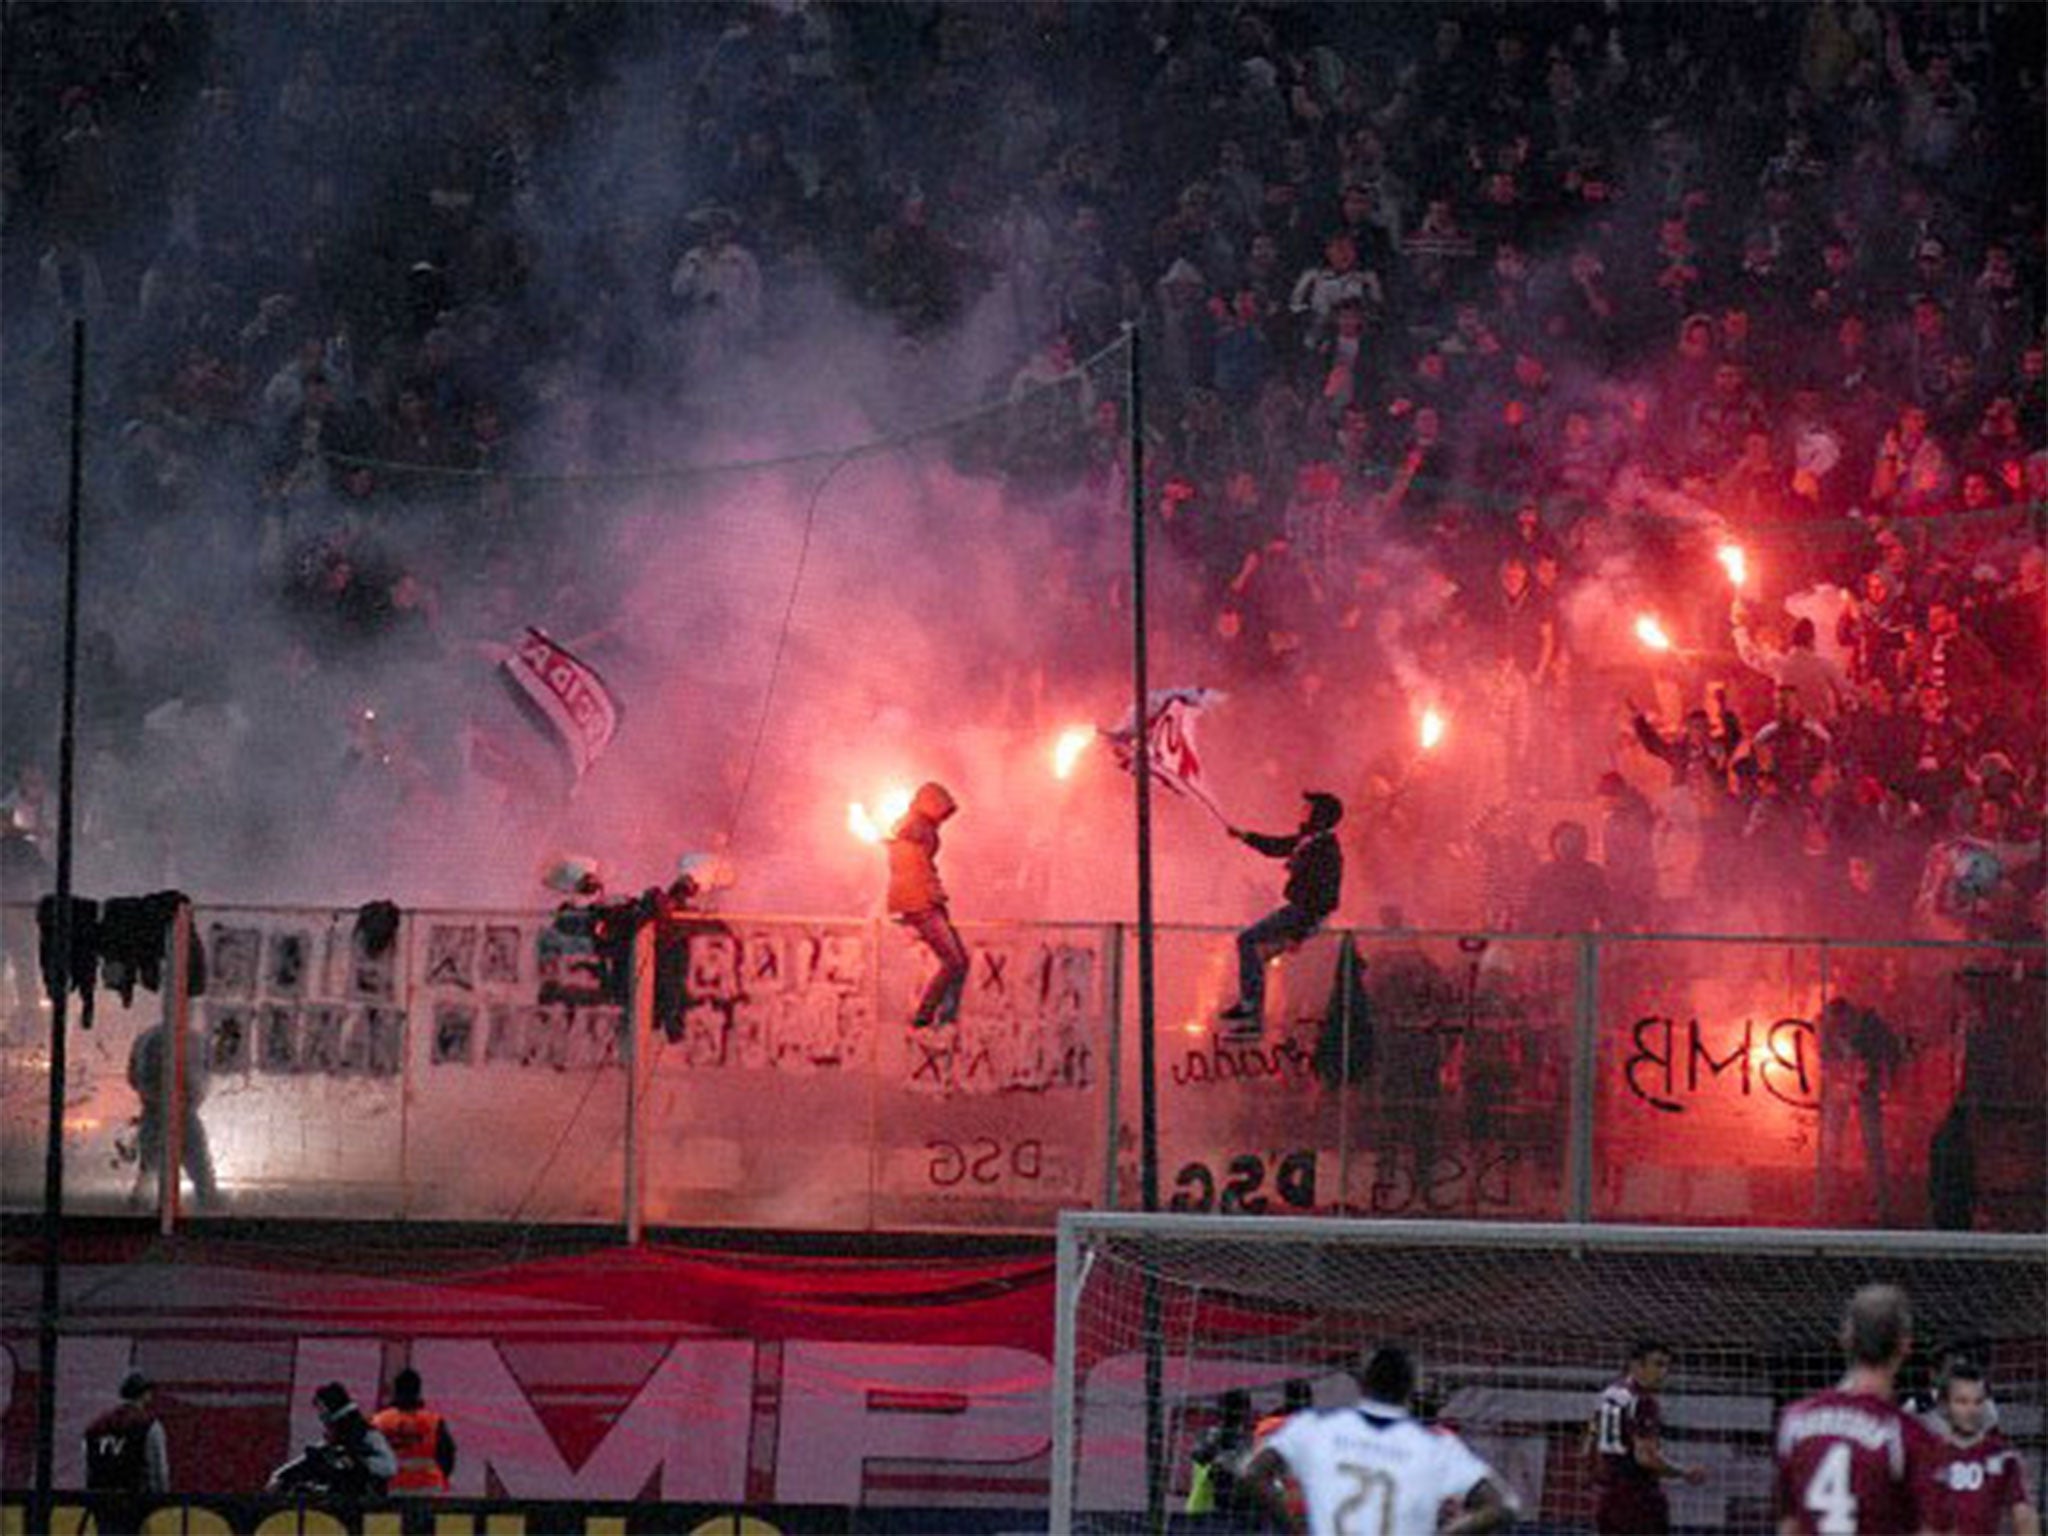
(196, 1154)
(941, 1001)
(1278, 930)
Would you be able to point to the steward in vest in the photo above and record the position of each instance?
(419, 1438)
(124, 1447)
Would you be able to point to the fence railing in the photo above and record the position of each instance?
(761, 1072)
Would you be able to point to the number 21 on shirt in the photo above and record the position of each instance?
(1369, 1486)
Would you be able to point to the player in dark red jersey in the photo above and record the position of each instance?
(1627, 1441)
(1850, 1460)
(1982, 1475)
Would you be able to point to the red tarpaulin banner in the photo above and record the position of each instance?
(610, 1373)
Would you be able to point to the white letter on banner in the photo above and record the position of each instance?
(688, 1421)
(845, 1406)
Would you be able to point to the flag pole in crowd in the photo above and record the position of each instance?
(59, 979)
(1148, 1096)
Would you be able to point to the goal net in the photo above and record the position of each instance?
(1515, 1328)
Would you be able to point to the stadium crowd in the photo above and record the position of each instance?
(1470, 332)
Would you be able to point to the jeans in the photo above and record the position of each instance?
(1278, 930)
(941, 1001)
(195, 1153)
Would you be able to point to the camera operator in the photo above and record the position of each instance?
(354, 1462)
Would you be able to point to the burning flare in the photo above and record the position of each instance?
(1431, 730)
(1731, 558)
(1067, 750)
(1651, 633)
(889, 809)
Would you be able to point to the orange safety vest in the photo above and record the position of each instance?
(414, 1434)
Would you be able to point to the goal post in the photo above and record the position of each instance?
(1516, 1327)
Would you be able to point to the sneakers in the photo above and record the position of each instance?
(1241, 1023)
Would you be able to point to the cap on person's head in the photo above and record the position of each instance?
(135, 1386)
(405, 1388)
(573, 874)
(1325, 810)
(333, 1402)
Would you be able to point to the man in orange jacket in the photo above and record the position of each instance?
(419, 1438)
(918, 901)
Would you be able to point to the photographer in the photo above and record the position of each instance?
(354, 1462)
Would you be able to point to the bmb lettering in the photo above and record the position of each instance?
(1672, 1064)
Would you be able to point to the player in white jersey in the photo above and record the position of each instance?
(1372, 1470)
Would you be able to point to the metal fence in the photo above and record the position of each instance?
(743, 1071)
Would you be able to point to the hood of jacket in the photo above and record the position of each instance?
(933, 801)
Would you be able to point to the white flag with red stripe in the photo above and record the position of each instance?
(565, 696)
(1175, 759)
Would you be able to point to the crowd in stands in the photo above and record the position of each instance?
(1469, 333)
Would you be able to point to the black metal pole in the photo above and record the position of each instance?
(1148, 1100)
(60, 980)
(1148, 1075)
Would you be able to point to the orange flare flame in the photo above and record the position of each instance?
(889, 809)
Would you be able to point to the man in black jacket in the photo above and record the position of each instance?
(125, 1458)
(352, 1463)
(1315, 879)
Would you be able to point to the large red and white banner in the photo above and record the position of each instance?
(609, 1373)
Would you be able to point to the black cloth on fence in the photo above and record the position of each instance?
(84, 970)
(1344, 1048)
(376, 927)
(131, 945)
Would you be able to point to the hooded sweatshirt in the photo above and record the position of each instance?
(914, 853)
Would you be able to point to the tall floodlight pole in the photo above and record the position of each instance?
(60, 969)
(1148, 1075)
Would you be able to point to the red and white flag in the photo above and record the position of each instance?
(565, 696)
(1170, 740)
